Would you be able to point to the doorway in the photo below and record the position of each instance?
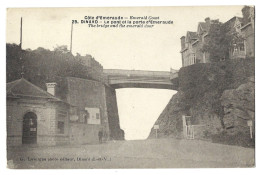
(29, 128)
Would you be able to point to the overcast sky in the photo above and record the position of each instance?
(154, 49)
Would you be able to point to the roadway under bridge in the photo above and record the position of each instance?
(118, 78)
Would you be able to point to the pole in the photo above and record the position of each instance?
(156, 132)
(21, 33)
(250, 123)
(21, 41)
(251, 133)
(71, 37)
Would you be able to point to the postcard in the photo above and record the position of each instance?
(130, 87)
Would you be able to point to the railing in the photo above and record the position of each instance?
(239, 54)
(191, 131)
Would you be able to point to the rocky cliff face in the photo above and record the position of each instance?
(239, 107)
(212, 94)
(170, 122)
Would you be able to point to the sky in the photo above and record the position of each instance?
(156, 49)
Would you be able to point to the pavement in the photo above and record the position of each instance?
(151, 153)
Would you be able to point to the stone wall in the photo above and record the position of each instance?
(81, 133)
(113, 117)
(84, 93)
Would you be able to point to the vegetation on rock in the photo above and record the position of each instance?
(199, 95)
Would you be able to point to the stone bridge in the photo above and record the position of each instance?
(118, 78)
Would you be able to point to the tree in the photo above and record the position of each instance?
(42, 65)
(62, 48)
(221, 38)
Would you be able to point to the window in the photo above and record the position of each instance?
(31, 122)
(235, 51)
(193, 58)
(60, 127)
(97, 116)
(242, 47)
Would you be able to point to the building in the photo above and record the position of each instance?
(71, 111)
(233, 26)
(35, 116)
(192, 43)
(248, 30)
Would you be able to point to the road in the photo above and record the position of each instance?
(152, 153)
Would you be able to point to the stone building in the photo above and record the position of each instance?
(35, 116)
(192, 43)
(72, 111)
(237, 50)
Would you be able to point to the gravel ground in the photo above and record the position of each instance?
(152, 153)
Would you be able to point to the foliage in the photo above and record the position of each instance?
(203, 84)
(221, 37)
(42, 65)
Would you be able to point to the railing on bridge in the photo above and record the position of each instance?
(140, 78)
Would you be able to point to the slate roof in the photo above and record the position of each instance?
(193, 35)
(230, 23)
(205, 26)
(23, 88)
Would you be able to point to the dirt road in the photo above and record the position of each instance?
(154, 153)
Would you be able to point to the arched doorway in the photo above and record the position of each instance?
(29, 128)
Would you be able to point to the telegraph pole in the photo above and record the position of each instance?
(21, 50)
(71, 37)
(21, 33)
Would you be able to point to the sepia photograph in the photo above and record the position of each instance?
(130, 87)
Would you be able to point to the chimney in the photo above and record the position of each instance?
(207, 20)
(182, 42)
(51, 88)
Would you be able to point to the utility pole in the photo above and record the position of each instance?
(71, 37)
(21, 33)
(21, 50)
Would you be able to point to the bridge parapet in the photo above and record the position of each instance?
(122, 72)
(118, 78)
(173, 74)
